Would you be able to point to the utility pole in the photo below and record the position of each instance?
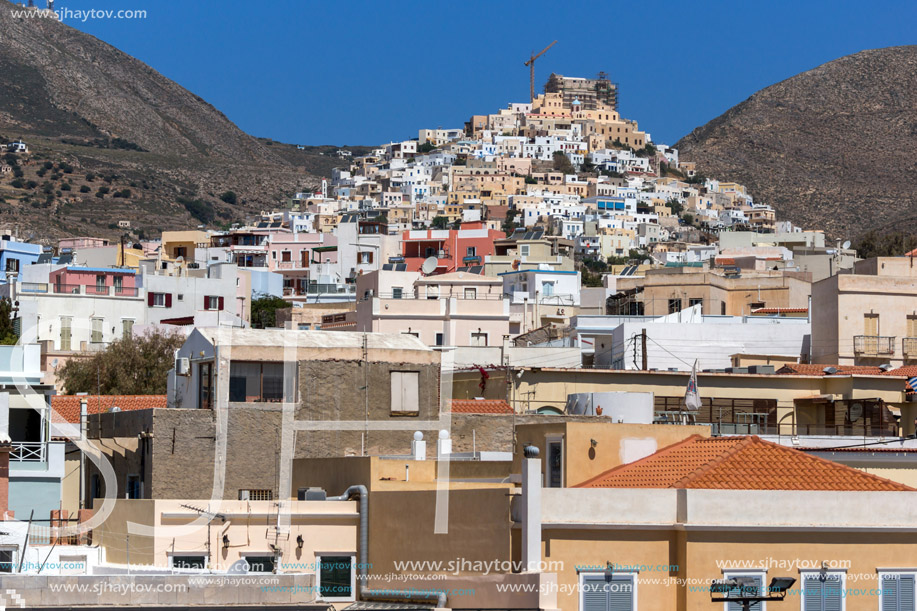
(643, 349)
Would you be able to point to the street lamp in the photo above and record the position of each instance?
(746, 592)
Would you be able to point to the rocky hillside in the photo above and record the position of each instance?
(830, 148)
(94, 116)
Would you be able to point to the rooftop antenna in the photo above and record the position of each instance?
(531, 64)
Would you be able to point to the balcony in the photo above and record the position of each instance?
(28, 451)
(909, 347)
(874, 345)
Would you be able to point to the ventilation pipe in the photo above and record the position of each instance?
(363, 552)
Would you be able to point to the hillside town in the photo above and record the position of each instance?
(537, 361)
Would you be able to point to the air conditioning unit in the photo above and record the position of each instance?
(183, 366)
(244, 495)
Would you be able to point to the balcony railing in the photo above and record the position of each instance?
(33, 287)
(28, 451)
(65, 289)
(909, 347)
(874, 345)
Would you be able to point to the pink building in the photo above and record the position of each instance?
(84, 242)
(95, 281)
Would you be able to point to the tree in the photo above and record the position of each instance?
(133, 365)
(675, 205)
(7, 331)
(562, 163)
(229, 197)
(426, 147)
(264, 310)
(509, 223)
(440, 222)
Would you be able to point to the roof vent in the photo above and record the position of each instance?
(530, 452)
(830, 370)
(885, 367)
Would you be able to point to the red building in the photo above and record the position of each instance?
(453, 248)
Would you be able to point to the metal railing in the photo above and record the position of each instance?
(28, 451)
(874, 345)
(315, 289)
(65, 289)
(434, 297)
(127, 291)
(96, 289)
(909, 347)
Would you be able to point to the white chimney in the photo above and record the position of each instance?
(531, 509)
(419, 447)
(443, 445)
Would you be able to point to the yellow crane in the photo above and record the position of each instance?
(531, 64)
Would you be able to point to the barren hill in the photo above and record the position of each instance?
(829, 148)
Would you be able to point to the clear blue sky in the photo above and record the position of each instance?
(360, 72)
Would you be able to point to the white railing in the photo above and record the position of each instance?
(28, 451)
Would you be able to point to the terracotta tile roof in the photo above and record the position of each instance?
(908, 370)
(737, 463)
(801, 369)
(481, 406)
(67, 407)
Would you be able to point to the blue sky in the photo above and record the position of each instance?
(357, 72)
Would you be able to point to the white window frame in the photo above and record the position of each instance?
(762, 573)
(318, 577)
(548, 440)
(173, 554)
(881, 573)
(632, 574)
(14, 558)
(213, 303)
(802, 585)
(159, 300)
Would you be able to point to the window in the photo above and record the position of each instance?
(180, 297)
(213, 302)
(127, 327)
(7, 559)
(896, 592)
(756, 305)
(471, 251)
(439, 339)
(608, 592)
(335, 577)
(181, 251)
(871, 324)
(547, 289)
(397, 292)
(12, 265)
(256, 495)
(97, 330)
(554, 473)
(100, 283)
(188, 561)
(286, 256)
(479, 339)
(260, 563)
(823, 591)
(205, 385)
(159, 300)
(695, 301)
(674, 305)
(430, 252)
(759, 579)
(912, 326)
(65, 333)
(524, 250)
(256, 382)
(366, 257)
(405, 393)
(118, 282)
(471, 293)
(134, 487)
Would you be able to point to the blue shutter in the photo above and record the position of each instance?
(813, 594)
(734, 606)
(890, 593)
(834, 595)
(906, 593)
(594, 593)
(621, 593)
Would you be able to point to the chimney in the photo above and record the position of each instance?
(418, 447)
(531, 509)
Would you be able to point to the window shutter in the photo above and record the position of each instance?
(890, 593)
(168, 300)
(220, 303)
(594, 593)
(149, 299)
(206, 302)
(906, 592)
(813, 594)
(621, 594)
(759, 583)
(834, 597)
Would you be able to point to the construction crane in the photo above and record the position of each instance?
(531, 64)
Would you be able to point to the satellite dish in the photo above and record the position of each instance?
(846, 245)
(647, 261)
(429, 265)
